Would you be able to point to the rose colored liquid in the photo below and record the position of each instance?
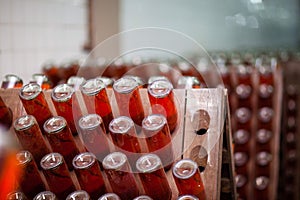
(5, 115)
(66, 105)
(30, 136)
(89, 175)
(42, 80)
(261, 190)
(241, 163)
(265, 95)
(12, 81)
(52, 73)
(153, 177)
(124, 136)
(79, 195)
(263, 140)
(93, 135)
(29, 172)
(188, 179)
(263, 163)
(34, 102)
(265, 117)
(61, 139)
(244, 79)
(46, 86)
(241, 140)
(57, 175)
(243, 93)
(96, 100)
(128, 99)
(120, 177)
(46, 195)
(158, 138)
(242, 185)
(16, 196)
(162, 101)
(243, 117)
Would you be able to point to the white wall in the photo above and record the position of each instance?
(34, 31)
(219, 24)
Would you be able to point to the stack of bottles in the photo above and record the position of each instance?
(289, 138)
(67, 154)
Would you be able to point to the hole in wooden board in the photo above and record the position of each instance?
(200, 121)
(199, 155)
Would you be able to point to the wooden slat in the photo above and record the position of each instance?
(211, 100)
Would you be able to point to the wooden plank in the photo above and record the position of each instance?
(227, 160)
(211, 100)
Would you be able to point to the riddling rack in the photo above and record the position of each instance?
(211, 150)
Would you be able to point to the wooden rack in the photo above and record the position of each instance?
(275, 140)
(219, 171)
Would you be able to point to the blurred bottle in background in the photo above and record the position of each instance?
(9, 170)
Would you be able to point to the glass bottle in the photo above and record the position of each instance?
(108, 82)
(42, 80)
(188, 179)
(96, 100)
(265, 94)
(16, 196)
(243, 117)
(240, 161)
(61, 139)
(138, 79)
(244, 87)
(261, 188)
(120, 176)
(89, 175)
(11, 81)
(93, 135)
(158, 138)
(124, 137)
(161, 97)
(241, 139)
(66, 105)
(153, 177)
(57, 175)
(263, 163)
(46, 195)
(75, 81)
(34, 102)
(241, 182)
(128, 98)
(29, 172)
(78, 195)
(265, 118)
(30, 136)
